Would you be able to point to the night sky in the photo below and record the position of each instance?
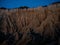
(29, 3)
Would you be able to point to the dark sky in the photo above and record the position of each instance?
(29, 3)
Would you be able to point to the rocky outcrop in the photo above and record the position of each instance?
(32, 26)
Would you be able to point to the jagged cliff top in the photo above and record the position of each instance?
(41, 8)
(26, 7)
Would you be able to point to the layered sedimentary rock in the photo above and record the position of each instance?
(32, 26)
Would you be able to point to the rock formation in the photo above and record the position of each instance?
(23, 7)
(32, 26)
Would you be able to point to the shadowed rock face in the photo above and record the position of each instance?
(23, 7)
(3, 8)
(37, 26)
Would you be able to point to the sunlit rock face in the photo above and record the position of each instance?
(32, 26)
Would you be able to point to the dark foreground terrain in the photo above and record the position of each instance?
(35, 26)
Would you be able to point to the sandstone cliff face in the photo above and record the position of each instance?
(36, 26)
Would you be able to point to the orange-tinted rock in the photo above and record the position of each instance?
(36, 26)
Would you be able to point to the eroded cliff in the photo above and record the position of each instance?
(32, 26)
